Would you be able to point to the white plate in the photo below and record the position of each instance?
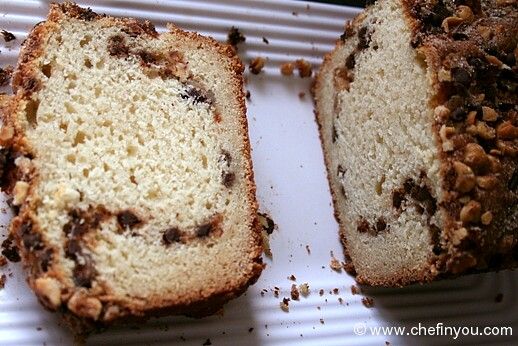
(292, 188)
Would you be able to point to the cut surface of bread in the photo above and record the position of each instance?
(127, 156)
(418, 117)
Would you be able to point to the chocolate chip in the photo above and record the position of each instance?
(397, 198)
(228, 179)
(364, 38)
(127, 219)
(73, 249)
(350, 61)
(381, 225)
(195, 94)
(227, 158)
(148, 58)
(45, 259)
(10, 251)
(8, 36)
(513, 182)
(204, 230)
(84, 272)
(117, 46)
(461, 75)
(363, 226)
(171, 235)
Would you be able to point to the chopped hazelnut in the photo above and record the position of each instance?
(487, 182)
(20, 192)
(257, 64)
(335, 264)
(507, 147)
(476, 157)
(489, 114)
(458, 235)
(444, 75)
(471, 119)
(287, 69)
(506, 130)
(466, 180)
(493, 60)
(494, 164)
(482, 130)
(295, 294)
(484, 31)
(85, 306)
(6, 133)
(465, 13)
(486, 218)
(304, 289)
(285, 305)
(470, 212)
(442, 112)
(450, 22)
(49, 292)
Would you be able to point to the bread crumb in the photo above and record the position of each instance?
(340, 300)
(3, 278)
(321, 292)
(266, 222)
(322, 321)
(266, 245)
(302, 95)
(304, 289)
(285, 304)
(335, 265)
(5, 76)
(499, 297)
(304, 67)
(292, 277)
(207, 342)
(368, 302)
(294, 292)
(287, 69)
(335, 291)
(276, 292)
(265, 40)
(235, 37)
(355, 290)
(8, 36)
(3, 261)
(251, 329)
(308, 250)
(257, 64)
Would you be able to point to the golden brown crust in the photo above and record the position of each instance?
(471, 53)
(86, 311)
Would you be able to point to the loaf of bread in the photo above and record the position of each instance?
(127, 157)
(418, 116)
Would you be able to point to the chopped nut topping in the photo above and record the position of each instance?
(465, 13)
(476, 157)
(458, 235)
(489, 114)
(493, 60)
(470, 212)
(471, 119)
(257, 64)
(482, 130)
(235, 37)
(486, 218)
(442, 112)
(508, 147)
(466, 180)
(355, 290)
(287, 69)
(487, 182)
(506, 130)
(451, 22)
(494, 164)
(368, 302)
(444, 75)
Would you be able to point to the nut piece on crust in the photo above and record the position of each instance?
(304, 67)
(257, 64)
(83, 305)
(48, 291)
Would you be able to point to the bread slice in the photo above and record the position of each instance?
(417, 109)
(127, 155)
